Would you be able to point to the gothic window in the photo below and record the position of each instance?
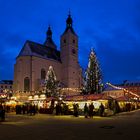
(43, 74)
(26, 84)
(64, 40)
(73, 41)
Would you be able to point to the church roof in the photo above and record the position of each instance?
(69, 29)
(50, 42)
(35, 49)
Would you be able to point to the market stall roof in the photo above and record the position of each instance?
(94, 96)
(84, 97)
(75, 98)
(110, 87)
(123, 98)
(105, 97)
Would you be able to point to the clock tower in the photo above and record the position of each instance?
(69, 56)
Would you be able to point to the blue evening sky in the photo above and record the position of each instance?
(111, 27)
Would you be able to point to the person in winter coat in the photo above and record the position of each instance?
(86, 110)
(91, 107)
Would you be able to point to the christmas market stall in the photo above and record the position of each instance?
(81, 100)
(38, 99)
(123, 102)
(126, 99)
(3, 97)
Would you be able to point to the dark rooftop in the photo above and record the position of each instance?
(71, 29)
(36, 49)
(10, 82)
(127, 83)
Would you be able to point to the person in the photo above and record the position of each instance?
(23, 109)
(91, 107)
(86, 110)
(2, 113)
(75, 108)
(101, 110)
(18, 109)
(52, 106)
(65, 109)
(30, 109)
(34, 109)
(128, 106)
(57, 109)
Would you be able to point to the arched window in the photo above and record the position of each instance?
(26, 84)
(43, 74)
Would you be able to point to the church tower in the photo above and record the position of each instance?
(69, 56)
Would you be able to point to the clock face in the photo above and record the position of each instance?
(73, 51)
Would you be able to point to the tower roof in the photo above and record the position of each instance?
(69, 20)
(49, 41)
(49, 32)
(69, 27)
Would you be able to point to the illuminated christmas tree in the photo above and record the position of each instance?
(51, 83)
(93, 77)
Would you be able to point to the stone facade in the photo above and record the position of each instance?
(34, 60)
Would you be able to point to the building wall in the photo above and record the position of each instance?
(38, 64)
(22, 69)
(68, 72)
(30, 66)
(69, 57)
(6, 87)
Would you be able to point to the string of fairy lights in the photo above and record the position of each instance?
(130, 92)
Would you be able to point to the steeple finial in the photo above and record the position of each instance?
(69, 20)
(49, 32)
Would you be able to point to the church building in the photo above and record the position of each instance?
(34, 60)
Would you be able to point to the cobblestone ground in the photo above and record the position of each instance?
(125, 126)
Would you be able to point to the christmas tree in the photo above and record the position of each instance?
(51, 83)
(93, 78)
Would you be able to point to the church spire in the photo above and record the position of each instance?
(69, 23)
(49, 41)
(49, 33)
(69, 20)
